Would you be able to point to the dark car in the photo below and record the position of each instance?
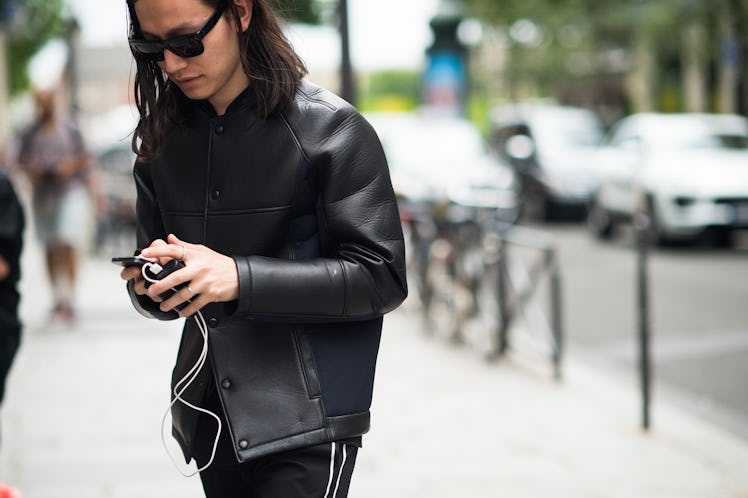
(553, 150)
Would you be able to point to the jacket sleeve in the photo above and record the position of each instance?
(365, 277)
(149, 227)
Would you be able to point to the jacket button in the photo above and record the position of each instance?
(213, 322)
(219, 129)
(215, 194)
(243, 444)
(225, 383)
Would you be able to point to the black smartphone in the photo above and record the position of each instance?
(130, 261)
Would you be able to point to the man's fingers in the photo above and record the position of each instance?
(195, 305)
(130, 272)
(165, 252)
(186, 297)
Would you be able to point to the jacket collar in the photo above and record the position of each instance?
(242, 101)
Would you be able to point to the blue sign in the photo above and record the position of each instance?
(445, 81)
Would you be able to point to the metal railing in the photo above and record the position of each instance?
(518, 283)
(465, 300)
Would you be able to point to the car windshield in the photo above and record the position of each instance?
(700, 134)
(567, 129)
(712, 141)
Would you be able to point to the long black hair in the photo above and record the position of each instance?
(273, 67)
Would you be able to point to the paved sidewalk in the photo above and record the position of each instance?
(83, 412)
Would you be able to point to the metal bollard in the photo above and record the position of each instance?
(641, 223)
(505, 319)
(556, 317)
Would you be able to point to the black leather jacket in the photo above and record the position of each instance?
(304, 204)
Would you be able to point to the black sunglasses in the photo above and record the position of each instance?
(184, 46)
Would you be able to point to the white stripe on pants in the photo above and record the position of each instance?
(332, 471)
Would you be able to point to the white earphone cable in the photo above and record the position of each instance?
(188, 379)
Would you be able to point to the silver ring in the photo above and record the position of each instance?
(190, 290)
(184, 253)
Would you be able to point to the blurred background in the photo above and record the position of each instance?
(572, 175)
(542, 82)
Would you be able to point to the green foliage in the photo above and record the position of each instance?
(392, 90)
(38, 22)
(578, 39)
(477, 109)
(405, 83)
(605, 22)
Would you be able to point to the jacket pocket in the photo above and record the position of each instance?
(262, 383)
(307, 362)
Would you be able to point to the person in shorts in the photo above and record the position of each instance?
(53, 155)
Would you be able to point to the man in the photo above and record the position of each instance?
(53, 156)
(275, 196)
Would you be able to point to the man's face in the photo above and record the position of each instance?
(217, 74)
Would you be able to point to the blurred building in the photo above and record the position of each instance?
(104, 77)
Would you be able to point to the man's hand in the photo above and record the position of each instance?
(35, 171)
(212, 277)
(135, 272)
(70, 166)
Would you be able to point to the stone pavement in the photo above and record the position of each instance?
(84, 405)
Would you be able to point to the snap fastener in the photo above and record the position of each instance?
(219, 129)
(243, 444)
(213, 322)
(215, 194)
(225, 383)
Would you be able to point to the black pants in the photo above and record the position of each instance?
(321, 471)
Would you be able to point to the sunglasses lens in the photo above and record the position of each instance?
(147, 50)
(190, 46)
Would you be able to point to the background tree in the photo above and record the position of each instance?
(35, 23)
(658, 54)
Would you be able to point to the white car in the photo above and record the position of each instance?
(435, 159)
(688, 172)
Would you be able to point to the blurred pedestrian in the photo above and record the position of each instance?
(275, 195)
(11, 241)
(53, 155)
